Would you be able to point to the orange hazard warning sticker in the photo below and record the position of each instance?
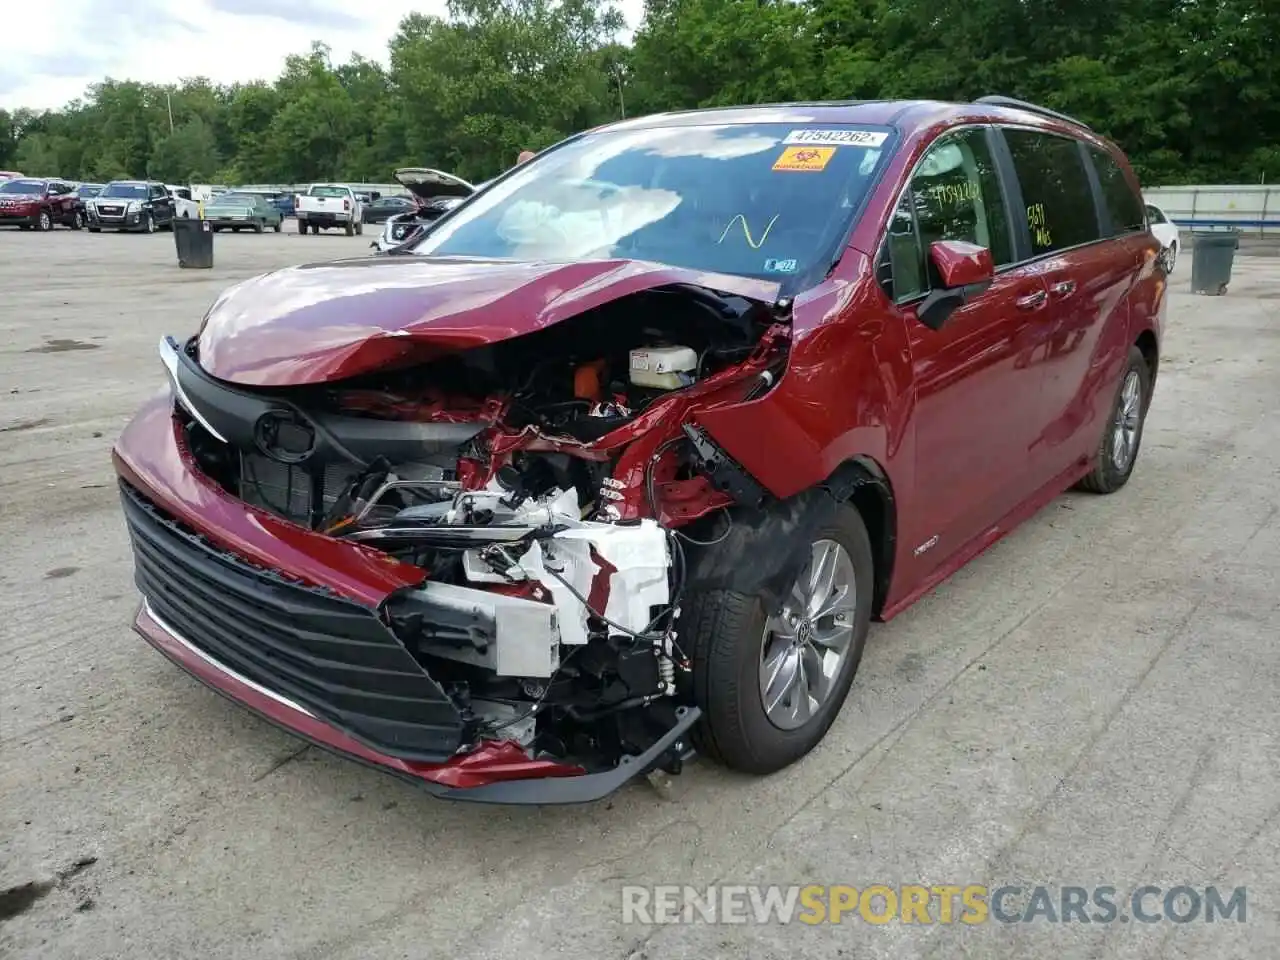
(804, 158)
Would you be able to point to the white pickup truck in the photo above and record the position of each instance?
(326, 205)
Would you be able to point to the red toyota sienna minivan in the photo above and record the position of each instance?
(619, 458)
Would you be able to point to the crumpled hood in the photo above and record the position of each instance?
(322, 322)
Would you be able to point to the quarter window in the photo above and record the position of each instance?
(1058, 200)
(954, 195)
(1124, 207)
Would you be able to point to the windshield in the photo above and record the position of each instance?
(86, 190)
(329, 191)
(770, 201)
(129, 191)
(22, 186)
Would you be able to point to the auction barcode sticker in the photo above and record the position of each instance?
(837, 138)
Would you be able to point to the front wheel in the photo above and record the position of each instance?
(770, 686)
(302, 226)
(1118, 450)
(44, 221)
(77, 220)
(148, 223)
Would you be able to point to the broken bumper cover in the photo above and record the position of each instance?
(313, 655)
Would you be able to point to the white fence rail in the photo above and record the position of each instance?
(1253, 209)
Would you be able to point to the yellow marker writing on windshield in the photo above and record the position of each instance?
(746, 231)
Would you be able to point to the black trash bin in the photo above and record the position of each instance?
(194, 241)
(1212, 254)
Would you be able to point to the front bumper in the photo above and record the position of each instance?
(309, 650)
(16, 216)
(123, 221)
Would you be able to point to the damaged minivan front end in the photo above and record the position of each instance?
(435, 513)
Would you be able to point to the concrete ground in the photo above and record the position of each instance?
(1094, 701)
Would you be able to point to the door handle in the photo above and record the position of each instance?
(1032, 301)
(1063, 288)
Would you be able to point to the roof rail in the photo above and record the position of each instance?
(998, 101)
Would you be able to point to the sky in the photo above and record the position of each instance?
(162, 41)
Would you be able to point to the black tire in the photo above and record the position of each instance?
(95, 229)
(359, 228)
(77, 220)
(278, 226)
(259, 226)
(302, 227)
(215, 229)
(1173, 255)
(235, 229)
(315, 229)
(148, 223)
(43, 221)
(723, 632)
(1107, 475)
(350, 229)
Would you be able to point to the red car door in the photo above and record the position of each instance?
(976, 391)
(1091, 255)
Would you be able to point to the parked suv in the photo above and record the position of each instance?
(31, 203)
(130, 205)
(623, 455)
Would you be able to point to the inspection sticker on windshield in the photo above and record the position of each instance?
(804, 158)
(837, 138)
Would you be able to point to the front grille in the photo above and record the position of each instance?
(328, 654)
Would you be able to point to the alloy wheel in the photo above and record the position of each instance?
(1128, 418)
(805, 645)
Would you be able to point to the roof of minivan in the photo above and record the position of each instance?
(907, 114)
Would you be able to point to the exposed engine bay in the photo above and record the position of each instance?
(548, 485)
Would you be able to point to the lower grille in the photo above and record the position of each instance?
(328, 654)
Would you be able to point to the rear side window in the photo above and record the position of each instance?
(954, 195)
(1058, 200)
(1124, 206)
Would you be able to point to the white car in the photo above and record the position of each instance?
(1165, 230)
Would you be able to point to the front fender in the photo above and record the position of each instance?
(846, 393)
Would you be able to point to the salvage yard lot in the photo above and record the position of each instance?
(1094, 701)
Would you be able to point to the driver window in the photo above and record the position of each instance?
(957, 193)
(954, 194)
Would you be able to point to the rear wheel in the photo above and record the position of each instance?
(350, 229)
(770, 686)
(95, 229)
(77, 220)
(359, 228)
(315, 229)
(1121, 438)
(259, 226)
(302, 226)
(278, 225)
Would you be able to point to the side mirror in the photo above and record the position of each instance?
(961, 271)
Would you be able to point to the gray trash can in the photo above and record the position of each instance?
(1212, 253)
(194, 242)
